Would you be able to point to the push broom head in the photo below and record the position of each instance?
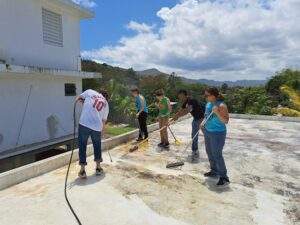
(174, 164)
(134, 148)
(177, 142)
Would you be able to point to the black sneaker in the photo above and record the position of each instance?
(160, 145)
(99, 171)
(210, 174)
(82, 174)
(139, 139)
(223, 182)
(166, 146)
(146, 139)
(195, 156)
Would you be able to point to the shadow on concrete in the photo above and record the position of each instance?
(210, 183)
(92, 179)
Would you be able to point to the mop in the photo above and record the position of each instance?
(180, 162)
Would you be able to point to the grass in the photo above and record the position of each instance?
(115, 131)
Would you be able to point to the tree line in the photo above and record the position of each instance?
(280, 95)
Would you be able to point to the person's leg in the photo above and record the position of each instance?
(96, 139)
(140, 126)
(143, 124)
(195, 130)
(218, 142)
(165, 131)
(160, 123)
(83, 135)
(208, 148)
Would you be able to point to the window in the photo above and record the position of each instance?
(70, 89)
(52, 28)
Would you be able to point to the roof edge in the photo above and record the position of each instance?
(82, 11)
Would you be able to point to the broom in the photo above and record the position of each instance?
(181, 163)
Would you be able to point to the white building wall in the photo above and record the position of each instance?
(49, 114)
(21, 35)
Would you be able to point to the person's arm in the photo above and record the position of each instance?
(169, 105)
(181, 112)
(81, 97)
(157, 104)
(142, 99)
(104, 119)
(222, 113)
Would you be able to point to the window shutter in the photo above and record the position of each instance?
(52, 28)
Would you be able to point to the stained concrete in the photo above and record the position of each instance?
(263, 163)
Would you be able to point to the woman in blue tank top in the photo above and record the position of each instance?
(215, 134)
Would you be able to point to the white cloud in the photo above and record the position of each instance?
(139, 27)
(86, 3)
(214, 39)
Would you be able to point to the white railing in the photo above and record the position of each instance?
(32, 70)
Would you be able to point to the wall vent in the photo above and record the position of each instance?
(52, 28)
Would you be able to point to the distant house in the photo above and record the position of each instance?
(40, 70)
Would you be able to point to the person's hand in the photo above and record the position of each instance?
(216, 110)
(202, 124)
(170, 121)
(79, 99)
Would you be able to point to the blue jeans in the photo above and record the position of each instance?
(195, 129)
(83, 135)
(214, 143)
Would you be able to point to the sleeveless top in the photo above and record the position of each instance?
(214, 124)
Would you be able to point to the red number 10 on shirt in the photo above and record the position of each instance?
(98, 104)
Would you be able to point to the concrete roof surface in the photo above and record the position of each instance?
(262, 159)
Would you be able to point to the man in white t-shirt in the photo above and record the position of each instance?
(92, 124)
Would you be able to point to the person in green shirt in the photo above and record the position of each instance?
(164, 107)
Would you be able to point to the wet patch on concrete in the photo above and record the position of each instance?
(37, 190)
(180, 196)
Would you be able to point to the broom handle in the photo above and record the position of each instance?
(204, 122)
(172, 133)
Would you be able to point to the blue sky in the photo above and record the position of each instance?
(212, 39)
(111, 19)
